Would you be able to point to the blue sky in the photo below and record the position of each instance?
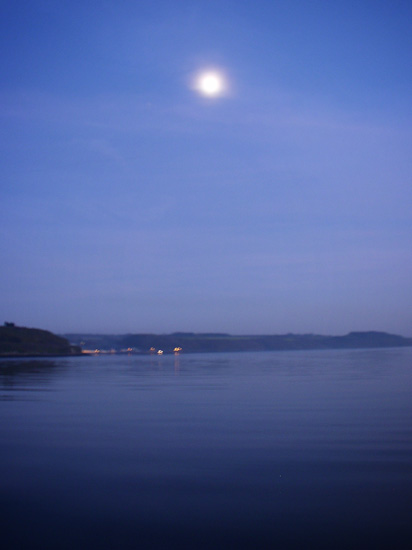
(131, 203)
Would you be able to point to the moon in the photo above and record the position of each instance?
(210, 83)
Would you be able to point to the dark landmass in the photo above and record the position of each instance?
(30, 342)
(201, 343)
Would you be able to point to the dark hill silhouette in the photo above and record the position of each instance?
(22, 341)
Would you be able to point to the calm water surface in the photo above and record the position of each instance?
(280, 450)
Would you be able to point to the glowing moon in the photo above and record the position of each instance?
(210, 84)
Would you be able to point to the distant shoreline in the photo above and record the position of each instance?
(169, 353)
(22, 342)
(186, 342)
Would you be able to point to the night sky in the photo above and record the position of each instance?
(132, 202)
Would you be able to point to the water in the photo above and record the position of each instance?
(285, 450)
